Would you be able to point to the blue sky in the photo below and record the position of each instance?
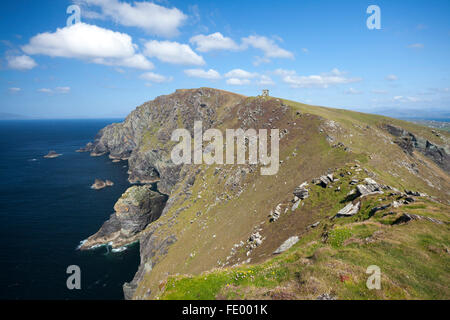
(124, 53)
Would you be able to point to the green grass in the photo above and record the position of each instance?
(412, 257)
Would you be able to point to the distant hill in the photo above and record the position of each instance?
(12, 116)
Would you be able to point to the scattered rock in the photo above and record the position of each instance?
(109, 183)
(52, 154)
(409, 200)
(326, 296)
(380, 208)
(349, 210)
(396, 204)
(295, 205)
(88, 148)
(100, 184)
(301, 192)
(255, 240)
(286, 245)
(275, 215)
(369, 187)
(323, 180)
(314, 225)
(407, 217)
(415, 193)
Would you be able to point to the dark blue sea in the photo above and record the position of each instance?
(47, 208)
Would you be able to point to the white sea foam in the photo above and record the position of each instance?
(81, 244)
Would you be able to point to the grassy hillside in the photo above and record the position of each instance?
(215, 209)
(333, 257)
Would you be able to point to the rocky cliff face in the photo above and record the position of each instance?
(137, 207)
(410, 142)
(212, 208)
(144, 137)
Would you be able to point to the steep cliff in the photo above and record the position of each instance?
(137, 207)
(218, 216)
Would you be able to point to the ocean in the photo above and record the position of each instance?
(47, 208)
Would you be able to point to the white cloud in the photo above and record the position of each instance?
(403, 99)
(324, 80)
(441, 90)
(379, 91)
(137, 61)
(214, 41)
(240, 74)
(416, 46)
(90, 43)
(172, 52)
(260, 60)
(154, 77)
(265, 81)
(15, 90)
(239, 77)
(45, 90)
(238, 82)
(153, 18)
(200, 73)
(391, 77)
(22, 62)
(352, 91)
(268, 46)
(61, 90)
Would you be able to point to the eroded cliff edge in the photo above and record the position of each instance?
(134, 210)
(224, 203)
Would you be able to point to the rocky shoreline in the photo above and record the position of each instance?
(135, 209)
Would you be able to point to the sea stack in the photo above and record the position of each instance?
(135, 209)
(52, 154)
(100, 184)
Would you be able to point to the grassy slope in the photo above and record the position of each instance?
(207, 230)
(413, 258)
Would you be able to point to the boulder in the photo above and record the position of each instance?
(295, 205)
(369, 187)
(286, 245)
(52, 154)
(349, 210)
(407, 217)
(380, 208)
(98, 184)
(301, 192)
(324, 180)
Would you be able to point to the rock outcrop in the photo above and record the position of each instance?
(137, 207)
(286, 245)
(410, 142)
(369, 187)
(144, 137)
(52, 154)
(349, 210)
(407, 217)
(100, 184)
